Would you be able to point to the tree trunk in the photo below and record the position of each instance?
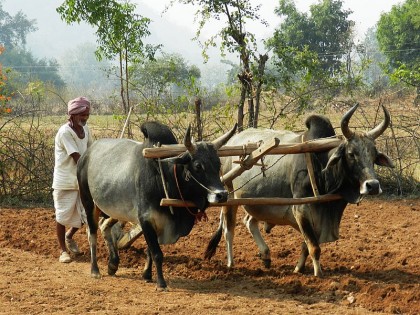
(124, 105)
(257, 103)
(261, 68)
(251, 112)
(198, 119)
(241, 109)
(127, 94)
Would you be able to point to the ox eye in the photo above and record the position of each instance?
(351, 155)
(198, 166)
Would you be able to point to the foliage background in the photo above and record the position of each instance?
(27, 141)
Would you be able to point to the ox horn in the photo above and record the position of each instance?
(219, 142)
(188, 142)
(378, 130)
(345, 122)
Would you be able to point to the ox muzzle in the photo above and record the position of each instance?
(217, 195)
(371, 187)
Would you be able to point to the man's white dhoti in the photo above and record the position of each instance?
(69, 210)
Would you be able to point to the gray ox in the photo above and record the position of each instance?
(346, 170)
(115, 179)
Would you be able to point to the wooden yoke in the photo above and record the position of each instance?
(255, 152)
(249, 162)
(317, 145)
(274, 201)
(309, 165)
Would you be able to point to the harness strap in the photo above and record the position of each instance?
(311, 173)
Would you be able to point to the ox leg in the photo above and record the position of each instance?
(155, 252)
(268, 227)
(147, 271)
(253, 228)
(94, 269)
(300, 267)
(92, 214)
(114, 259)
(229, 222)
(311, 241)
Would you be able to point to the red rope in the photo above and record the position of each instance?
(200, 215)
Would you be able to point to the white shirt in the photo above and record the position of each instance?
(66, 143)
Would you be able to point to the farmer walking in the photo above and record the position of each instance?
(71, 141)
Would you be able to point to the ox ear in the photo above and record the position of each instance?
(335, 157)
(383, 160)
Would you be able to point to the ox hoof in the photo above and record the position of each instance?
(96, 275)
(298, 270)
(147, 276)
(160, 289)
(267, 263)
(319, 274)
(112, 269)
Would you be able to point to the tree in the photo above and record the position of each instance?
(154, 78)
(310, 50)
(399, 37)
(374, 75)
(325, 31)
(234, 39)
(80, 69)
(14, 29)
(119, 31)
(24, 67)
(4, 96)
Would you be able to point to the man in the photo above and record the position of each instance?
(71, 141)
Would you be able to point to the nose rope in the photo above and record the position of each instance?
(188, 175)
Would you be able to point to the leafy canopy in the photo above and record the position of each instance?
(118, 28)
(399, 38)
(154, 77)
(233, 36)
(120, 32)
(326, 31)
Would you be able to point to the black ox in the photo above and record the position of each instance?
(347, 170)
(115, 179)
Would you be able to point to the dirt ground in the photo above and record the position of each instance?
(373, 269)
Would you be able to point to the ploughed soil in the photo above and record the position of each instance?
(374, 268)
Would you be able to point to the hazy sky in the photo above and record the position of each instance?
(365, 12)
(174, 29)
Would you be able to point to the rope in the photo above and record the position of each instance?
(188, 175)
(263, 169)
(199, 215)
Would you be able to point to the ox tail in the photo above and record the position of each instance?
(215, 240)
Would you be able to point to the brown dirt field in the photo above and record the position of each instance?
(373, 269)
